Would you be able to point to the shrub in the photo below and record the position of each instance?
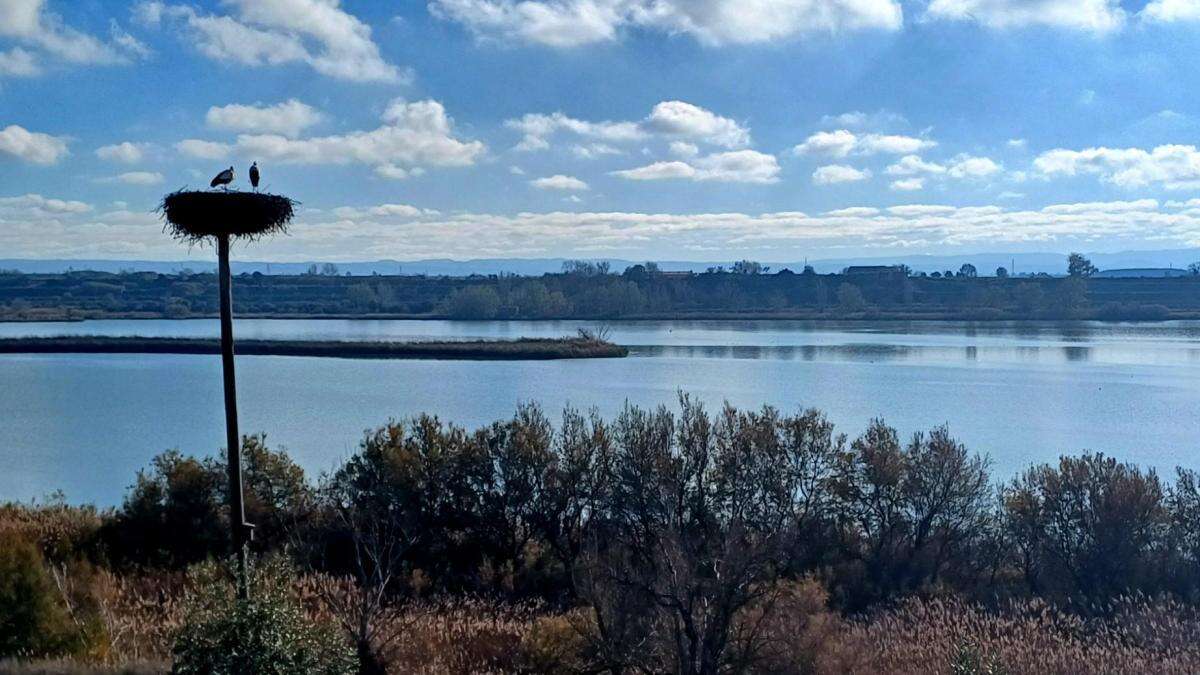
(266, 635)
(33, 621)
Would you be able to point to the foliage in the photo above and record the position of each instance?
(33, 621)
(267, 634)
(1079, 266)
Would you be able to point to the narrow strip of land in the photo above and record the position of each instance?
(483, 350)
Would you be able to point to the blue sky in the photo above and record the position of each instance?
(658, 129)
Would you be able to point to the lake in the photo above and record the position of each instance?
(1021, 392)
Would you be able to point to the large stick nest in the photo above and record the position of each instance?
(193, 215)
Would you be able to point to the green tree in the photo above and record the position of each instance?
(1002, 272)
(474, 302)
(968, 271)
(32, 619)
(850, 298)
(1079, 266)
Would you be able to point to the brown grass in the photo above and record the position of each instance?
(475, 636)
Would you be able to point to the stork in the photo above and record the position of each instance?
(223, 179)
(254, 175)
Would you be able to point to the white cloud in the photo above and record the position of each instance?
(659, 171)
(516, 170)
(684, 149)
(1017, 143)
(908, 184)
(414, 135)
(571, 23)
(684, 120)
(911, 165)
(17, 62)
(594, 150)
(32, 146)
(739, 166)
(30, 23)
(289, 118)
(1167, 11)
(853, 212)
(559, 182)
(36, 226)
(966, 166)
(1099, 16)
(1174, 167)
(668, 120)
(537, 128)
(842, 143)
(839, 173)
(125, 152)
(136, 178)
(204, 149)
(318, 33)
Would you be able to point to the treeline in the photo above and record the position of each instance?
(672, 535)
(587, 291)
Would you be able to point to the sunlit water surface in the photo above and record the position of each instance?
(1019, 392)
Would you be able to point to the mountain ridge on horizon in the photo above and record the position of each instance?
(986, 263)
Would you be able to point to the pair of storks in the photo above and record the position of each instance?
(226, 177)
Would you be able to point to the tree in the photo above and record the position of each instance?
(1002, 272)
(585, 268)
(968, 271)
(1194, 268)
(850, 298)
(749, 267)
(474, 302)
(1079, 266)
(329, 270)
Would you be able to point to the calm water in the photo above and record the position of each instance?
(1020, 392)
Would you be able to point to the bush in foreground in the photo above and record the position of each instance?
(269, 634)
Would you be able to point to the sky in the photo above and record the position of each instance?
(638, 129)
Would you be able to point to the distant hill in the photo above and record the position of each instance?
(986, 263)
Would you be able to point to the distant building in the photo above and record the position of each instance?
(875, 271)
(1142, 273)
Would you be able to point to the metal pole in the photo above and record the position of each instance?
(237, 512)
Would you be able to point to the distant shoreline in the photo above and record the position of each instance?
(523, 349)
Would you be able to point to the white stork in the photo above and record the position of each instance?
(224, 178)
(254, 175)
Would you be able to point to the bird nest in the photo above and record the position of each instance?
(193, 215)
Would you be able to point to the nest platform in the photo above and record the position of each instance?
(195, 215)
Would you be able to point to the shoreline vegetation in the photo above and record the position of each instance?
(585, 291)
(668, 540)
(582, 347)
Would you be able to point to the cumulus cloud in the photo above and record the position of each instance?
(318, 33)
(289, 118)
(125, 152)
(739, 166)
(1099, 16)
(31, 146)
(684, 120)
(559, 182)
(667, 120)
(1174, 167)
(30, 23)
(572, 23)
(1167, 11)
(961, 167)
(414, 135)
(842, 143)
(594, 150)
(908, 184)
(833, 174)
